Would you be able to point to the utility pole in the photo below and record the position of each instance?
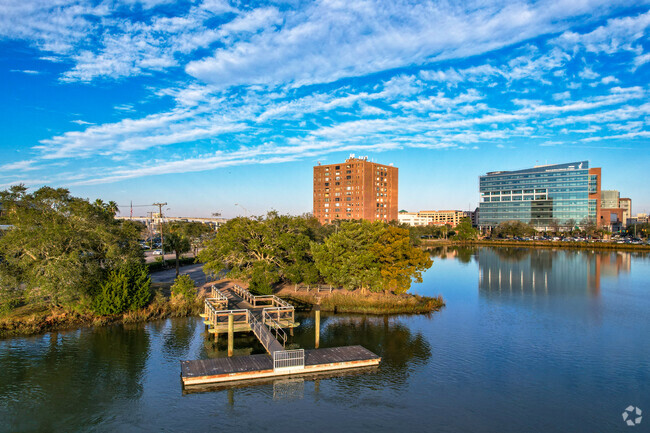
(150, 227)
(162, 239)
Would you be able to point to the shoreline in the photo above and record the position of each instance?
(36, 321)
(41, 321)
(539, 244)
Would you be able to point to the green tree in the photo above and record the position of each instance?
(464, 230)
(509, 229)
(127, 288)
(197, 233)
(345, 259)
(179, 244)
(60, 248)
(262, 250)
(399, 262)
(183, 287)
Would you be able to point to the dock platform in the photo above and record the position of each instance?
(223, 370)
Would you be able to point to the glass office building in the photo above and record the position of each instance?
(543, 196)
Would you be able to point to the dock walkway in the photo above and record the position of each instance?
(220, 370)
(235, 309)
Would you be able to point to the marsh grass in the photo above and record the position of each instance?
(34, 319)
(372, 303)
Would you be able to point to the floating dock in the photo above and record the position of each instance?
(222, 370)
(265, 316)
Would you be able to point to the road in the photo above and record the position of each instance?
(167, 276)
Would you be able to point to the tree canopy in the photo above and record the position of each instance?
(372, 256)
(60, 248)
(262, 250)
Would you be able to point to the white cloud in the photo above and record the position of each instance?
(332, 40)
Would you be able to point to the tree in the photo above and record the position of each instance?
(179, 244)
(589, 227)
(60, 248)
(372, 256)
(465, 231)
(345, 258)
(262, 250)
(197, 233)
(127, 288)
(399, 262)
(183, 287)
(508, 229)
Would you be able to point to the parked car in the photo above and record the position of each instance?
(157, 252)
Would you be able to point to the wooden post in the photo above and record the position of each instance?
(317, 326)
(231, 329)
(216, 335)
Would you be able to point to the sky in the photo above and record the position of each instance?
(217, 106)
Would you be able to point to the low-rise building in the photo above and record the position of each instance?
(432, 217)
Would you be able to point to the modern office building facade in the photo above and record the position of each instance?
(543, 196)
(355, 189)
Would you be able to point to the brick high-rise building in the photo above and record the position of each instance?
(355, 189)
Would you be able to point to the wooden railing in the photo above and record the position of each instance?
(220, 317)
(217, 294)
(280, 315)
(261, 300)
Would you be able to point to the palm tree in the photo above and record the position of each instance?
(178, 243)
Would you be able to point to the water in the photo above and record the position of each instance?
(568, 351)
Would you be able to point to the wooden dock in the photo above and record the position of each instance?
(241, 368)
(235, 309)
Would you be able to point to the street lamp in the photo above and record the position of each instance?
(245, 210)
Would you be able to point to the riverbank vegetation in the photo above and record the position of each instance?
(372, 303)
(66, 261)
(373, 257)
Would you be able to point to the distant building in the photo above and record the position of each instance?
(640, 218)
(432, 217)
(615, 210)
(544, 196)
(154, 220)
(355, 189)
(474, 216)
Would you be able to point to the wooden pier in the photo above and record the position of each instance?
(265, 316)
(222, 370)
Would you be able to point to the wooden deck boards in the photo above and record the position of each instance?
(238, 368)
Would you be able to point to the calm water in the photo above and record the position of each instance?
(530, 340)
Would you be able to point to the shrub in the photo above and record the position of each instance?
(183, 287)
(263, 277)
(127, 288)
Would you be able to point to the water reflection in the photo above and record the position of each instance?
(401, 349)
(52, 374)
(545, 271)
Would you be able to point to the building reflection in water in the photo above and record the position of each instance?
(542, 271)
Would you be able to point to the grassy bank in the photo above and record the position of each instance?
(32, 319)
(373, 303)
(541, 244)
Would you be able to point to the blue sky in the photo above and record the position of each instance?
(204, 104)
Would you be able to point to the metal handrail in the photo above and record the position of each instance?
(256, 327)
(279, 332)
(289, 359)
